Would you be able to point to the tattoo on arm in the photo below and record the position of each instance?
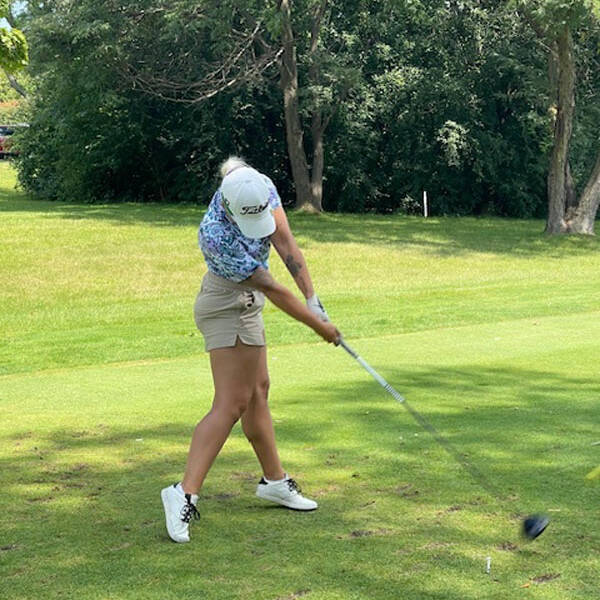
(292, 265)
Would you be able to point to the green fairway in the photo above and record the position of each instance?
(490, 329)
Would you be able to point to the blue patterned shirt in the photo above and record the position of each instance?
(227, 251)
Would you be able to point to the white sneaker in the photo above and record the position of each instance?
(179, 509)
(285, 492)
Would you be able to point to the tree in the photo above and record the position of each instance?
(13, 48)
(202, 49)
(95, 137)
(141, 100)
(322, 98)
(240, 44)
(448, 102)
(557, 22)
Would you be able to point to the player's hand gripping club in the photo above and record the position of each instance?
(315, 306)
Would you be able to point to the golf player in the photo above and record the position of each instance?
(244, 218)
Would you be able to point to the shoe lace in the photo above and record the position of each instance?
(188, 511)
(293, 486)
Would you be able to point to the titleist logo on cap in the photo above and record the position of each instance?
(253, 210)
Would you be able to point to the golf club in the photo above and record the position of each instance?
(533, 525)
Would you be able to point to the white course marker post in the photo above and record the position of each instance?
(425, 210)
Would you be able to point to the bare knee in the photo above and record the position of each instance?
(261, 390)
(258, 411)
(232, 407)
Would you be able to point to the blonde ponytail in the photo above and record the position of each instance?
(233, 162)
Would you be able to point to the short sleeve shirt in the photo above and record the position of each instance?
(227, 251)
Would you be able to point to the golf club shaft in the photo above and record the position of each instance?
(438, 437)
(378, 378)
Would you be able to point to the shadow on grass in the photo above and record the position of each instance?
(444, 236)
(100, 531)
(531, 430)
(441, 236)
(398, 517)
(159, 215)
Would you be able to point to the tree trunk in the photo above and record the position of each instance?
(317, 127)
(293, 126)
(15, 84)
(559, 173)
(566, 214)
(316, 180)
(584, 215)
(553, 72)
(570, 193)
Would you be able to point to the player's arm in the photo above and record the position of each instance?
(283, 298)
(285, 243)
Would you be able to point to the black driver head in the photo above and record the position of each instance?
(534, 525)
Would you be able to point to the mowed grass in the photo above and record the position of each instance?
(490, 329)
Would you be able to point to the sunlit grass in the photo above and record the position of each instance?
(490, 329)
(95, 284)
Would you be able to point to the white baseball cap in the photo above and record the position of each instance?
(246, 199)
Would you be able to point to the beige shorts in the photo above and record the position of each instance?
(225, 310)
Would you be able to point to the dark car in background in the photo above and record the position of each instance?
(6, 144)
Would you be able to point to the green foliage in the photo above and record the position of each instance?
(454, 140)
(464, 120)
(552, 15)
(13, 50)
(447, 97)
(13, 45)
(96, 136)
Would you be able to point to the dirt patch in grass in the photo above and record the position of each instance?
(436, 545)
(294, 595)
(243, 476)
(545, 578)
(406, 490)
(330, 489)
(221, 497)
(358, 533)
(40, 499)
(507, 546)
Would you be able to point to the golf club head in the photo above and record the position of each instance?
(534, 526)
